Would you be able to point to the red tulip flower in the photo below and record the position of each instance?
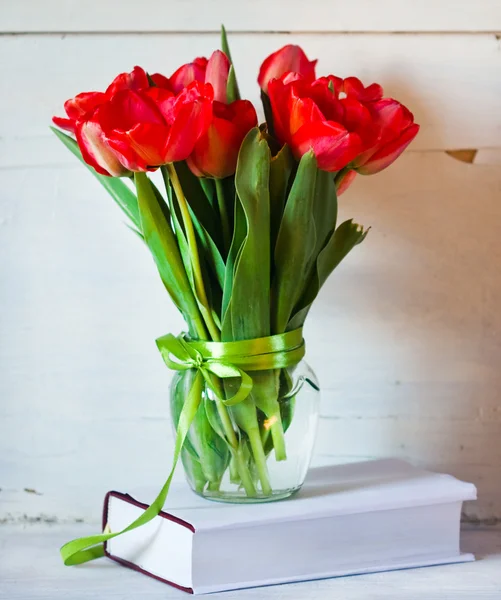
(141, 130)
(214, 71)
(344, 123)
(310, 116)
(85, 103)
(394, 121)
(289, 59)
(215, 154)
(397, 128)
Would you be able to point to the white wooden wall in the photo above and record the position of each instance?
(406, 337)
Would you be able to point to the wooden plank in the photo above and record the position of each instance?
(31, 570)
(260, 15)
(452, 83)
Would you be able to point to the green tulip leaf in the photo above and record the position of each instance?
(209, 189)
(239, 233)
(250, 297)
(232, 91)
(268, 113)
(344, 239)
(212, 450)
(211, 253)
(183, 245)
(162, 243)
(115, 186)
(341, 242)
(295, 243)
(281, 167)
(324, 209)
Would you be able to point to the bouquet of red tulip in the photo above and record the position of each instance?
(244, 234)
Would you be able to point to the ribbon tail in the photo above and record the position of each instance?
(88, 548)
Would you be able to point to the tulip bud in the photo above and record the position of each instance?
(216, 74)
(288, 59)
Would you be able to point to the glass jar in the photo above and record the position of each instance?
(258, 450)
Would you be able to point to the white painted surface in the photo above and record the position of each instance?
(30, 569)
(259, 15)
(406, 337)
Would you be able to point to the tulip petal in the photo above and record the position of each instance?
(188, 73)
(127, 108)
(136, 80)
(241, 113)
(389, 153)
(301, 111)
(216, 74)
(344, 182)
(279, 95)
(215, 153)
(353, 87)
(333, 145)
(161, 81)
(67, 124)
(83, 103)
(290, 58)
(95, 149)
(142, 147)
(163, 98)
(326, 99)
(191, 122)
(195, 91)
(392, 117)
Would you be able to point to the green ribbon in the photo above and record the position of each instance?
(221, 359)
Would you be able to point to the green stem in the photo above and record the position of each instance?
(223, 213)
(277, 434)
(231, 436)
(221, 408)
(265, 396)
(259, 459)
(214, 486)
(195, 257)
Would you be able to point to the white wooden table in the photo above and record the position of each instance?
(30, 569)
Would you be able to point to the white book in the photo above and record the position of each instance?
(358, 518)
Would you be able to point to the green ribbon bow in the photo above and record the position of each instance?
(229, 360)
(212, 361)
